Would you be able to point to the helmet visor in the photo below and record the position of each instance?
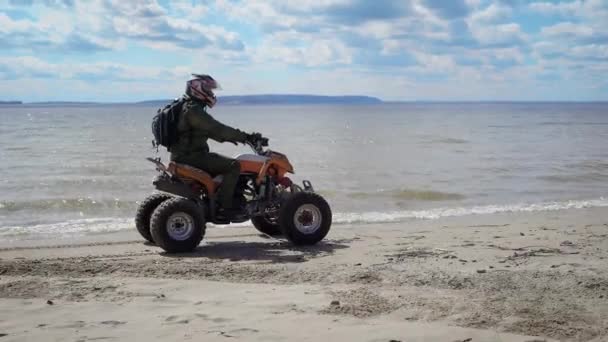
(208, 82)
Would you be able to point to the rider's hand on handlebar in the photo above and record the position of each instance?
(254, 138)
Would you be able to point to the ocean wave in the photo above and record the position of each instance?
(69, 228)
(593, 165)
(581, 177)
(17, 148)
(66, 204)
(410, 194)
(78, 227)
(570, 123)
(398, 216)
(91, 206)
(451, 141)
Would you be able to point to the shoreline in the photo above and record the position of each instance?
(499, 277)
(365, 219)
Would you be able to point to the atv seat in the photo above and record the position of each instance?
(189, 172)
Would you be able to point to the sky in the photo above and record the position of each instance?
(405, 50)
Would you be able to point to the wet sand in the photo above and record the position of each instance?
(511, 277)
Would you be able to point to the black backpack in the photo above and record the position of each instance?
(164, 123)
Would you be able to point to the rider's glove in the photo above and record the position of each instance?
(252, 138)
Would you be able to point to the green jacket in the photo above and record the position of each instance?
(196, 126)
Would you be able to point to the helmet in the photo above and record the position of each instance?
(201, 88)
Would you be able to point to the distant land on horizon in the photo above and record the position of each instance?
(290, 99)
(270, 99)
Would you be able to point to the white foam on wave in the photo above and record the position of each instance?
(72, 227)
(88, 226)
(397, 216)
(111, 224)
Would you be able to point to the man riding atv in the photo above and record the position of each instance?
(195, 127)
(189, 188)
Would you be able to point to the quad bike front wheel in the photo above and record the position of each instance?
(144, 212)
(305, 218)
(265, 226)
(178, 225)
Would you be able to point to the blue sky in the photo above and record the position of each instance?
(114, 50)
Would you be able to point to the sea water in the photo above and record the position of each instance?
(69, 170)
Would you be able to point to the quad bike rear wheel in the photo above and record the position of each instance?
(305, 218)
(145, 210)
(178, 225)
(265, 226)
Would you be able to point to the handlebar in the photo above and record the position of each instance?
(258, 146)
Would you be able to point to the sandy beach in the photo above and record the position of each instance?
(538, 276)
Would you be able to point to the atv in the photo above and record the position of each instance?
(175, 217)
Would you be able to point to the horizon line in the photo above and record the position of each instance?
(144, 102)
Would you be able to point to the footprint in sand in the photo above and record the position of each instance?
(212, 319)
(113, 323)
(234, 332)
(243, 330)
(85, 338)
(76, 324)
(174, 320)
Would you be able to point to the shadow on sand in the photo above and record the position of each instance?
(275, 251)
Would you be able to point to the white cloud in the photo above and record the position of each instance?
(509, 54)
(8, 25)
(31, 67)
(189, 9)
(263, 12)
(575, 48)
(567, 29)
(560, 8)
(311, 53)
(504, 34)
(494, 12)
(109, 24)
(594, 11)
(591, 51)
(53, 31)
(430, 63)
(150, 23)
